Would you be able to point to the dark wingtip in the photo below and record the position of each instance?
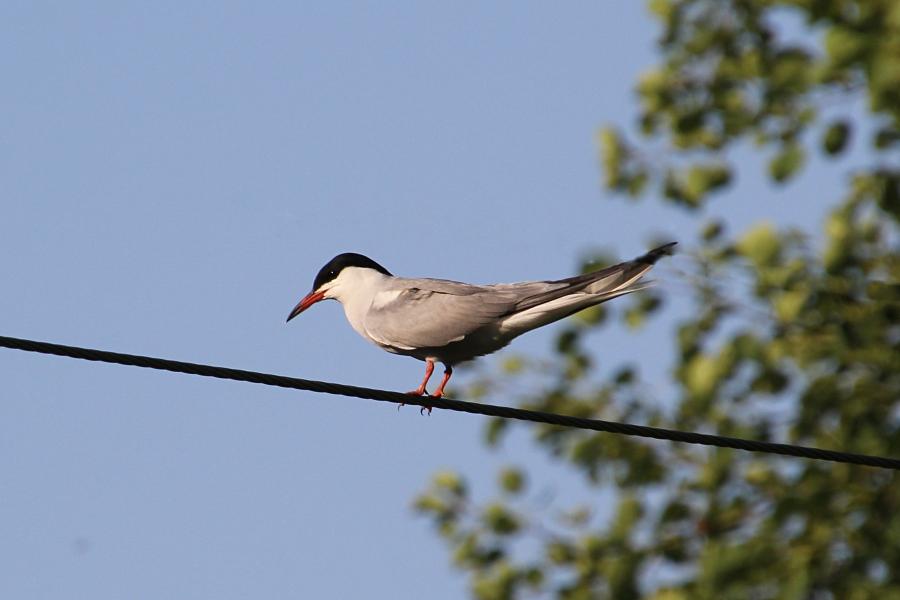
(657, 253)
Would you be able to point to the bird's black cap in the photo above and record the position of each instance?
(337, 264)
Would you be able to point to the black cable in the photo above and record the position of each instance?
(504, 412)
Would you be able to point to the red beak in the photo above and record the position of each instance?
(308, 300)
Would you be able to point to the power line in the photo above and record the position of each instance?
(491, 410)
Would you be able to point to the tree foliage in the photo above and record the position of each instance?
(794, 336)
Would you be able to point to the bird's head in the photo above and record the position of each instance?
(340, 278)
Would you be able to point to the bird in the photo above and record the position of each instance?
(438, 320)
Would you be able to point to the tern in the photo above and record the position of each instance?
(437, 320)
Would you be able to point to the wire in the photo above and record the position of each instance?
(504, 412)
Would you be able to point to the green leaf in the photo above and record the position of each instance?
(886, 137)
(494, 430)
(712, 231)
(624, 376)
(889, 198)
(637, 313)
(786, 163)
(512, 481)
(429, 503)
(450, 481)
(663, 9)
(560, 553)
(760, 244)
(702, 375)
(836, 137)
(595, 315)
(844, 46)
(703, 179)
(675, 511)
(788, 304)
(612, 156)
(499, 520)
(513, 365)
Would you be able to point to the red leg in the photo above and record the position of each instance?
(429, 369)
(440, 390)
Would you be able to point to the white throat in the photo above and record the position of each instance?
(355, 288)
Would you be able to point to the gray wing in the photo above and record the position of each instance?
(602, 283)
(431, 313)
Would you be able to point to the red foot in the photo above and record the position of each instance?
(417, 392)
(421, 391)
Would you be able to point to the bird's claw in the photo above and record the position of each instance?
(416, 392)
(437, 394)
(422, 409)
(419, 392)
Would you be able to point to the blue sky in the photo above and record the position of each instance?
(174, 174)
